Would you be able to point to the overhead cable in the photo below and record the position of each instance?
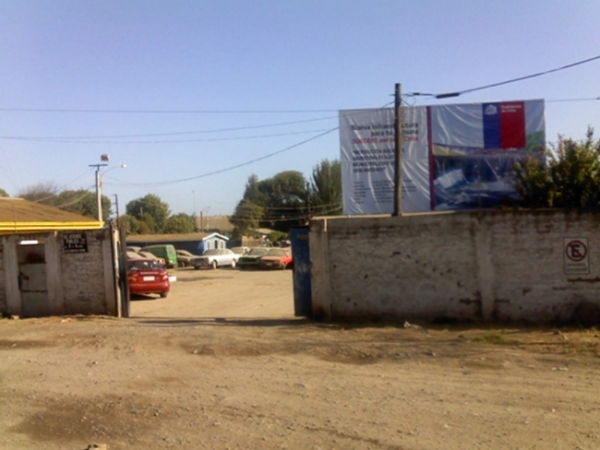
(514, 80)
(178, 141)
(236, 166)
(178, 133)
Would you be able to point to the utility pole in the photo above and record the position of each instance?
(195, 217)
(117, 206)
(398, 141)
(98, 190)
(308, 200)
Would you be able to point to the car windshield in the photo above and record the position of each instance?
(144, 264)
(212, 252)
(276, 252)
(257, 251)
(238, 250)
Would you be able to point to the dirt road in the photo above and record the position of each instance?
(232, 380)
(223, 293)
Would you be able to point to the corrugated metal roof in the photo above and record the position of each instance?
(17, 215)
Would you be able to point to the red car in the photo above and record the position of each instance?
(148, 276)
(276, 258)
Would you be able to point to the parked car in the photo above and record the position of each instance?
(133, 248)
(166, 252)
(133, 255)
(250, 259)
(184, 258)
(147, 255)
(147, 276)
(276, 258)
(240, 250)
(218, 257)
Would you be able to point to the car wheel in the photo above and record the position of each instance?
(214, 264)
(233, 264)
(163, 295)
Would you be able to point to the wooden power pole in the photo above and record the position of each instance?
(398, 142)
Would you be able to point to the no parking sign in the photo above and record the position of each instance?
(577, 256)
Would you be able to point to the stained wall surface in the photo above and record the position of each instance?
(58, 278)
(541, 266)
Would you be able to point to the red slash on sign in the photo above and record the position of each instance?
(576, 251)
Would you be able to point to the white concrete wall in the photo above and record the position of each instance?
(87, 278)
(490, 266)
(77, 283)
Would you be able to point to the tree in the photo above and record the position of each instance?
(129, 223)
(569, 178)
(286, 200)
(83, 202)
(79, 202)
(326, 188)
(44, 193)
(278, 202)
(3, 193)
(285, 190)
(246, 217)
(151, 210)
(180, 223)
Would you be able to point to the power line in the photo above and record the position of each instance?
(290, 218)
(589, 99)
(299, 207)
(169, 111)
(513, 80)
(178, 133)
(179, 141)
(236, 166)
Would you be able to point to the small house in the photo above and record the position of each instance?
(53, 262)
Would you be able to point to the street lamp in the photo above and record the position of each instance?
(99, 183)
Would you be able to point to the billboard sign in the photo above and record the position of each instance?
(453, 157)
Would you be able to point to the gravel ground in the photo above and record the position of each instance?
(223, 364)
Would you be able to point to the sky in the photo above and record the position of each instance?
(195, 96)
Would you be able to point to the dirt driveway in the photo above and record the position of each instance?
(229, 373)
(223, 293)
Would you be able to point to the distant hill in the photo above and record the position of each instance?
(215, 223)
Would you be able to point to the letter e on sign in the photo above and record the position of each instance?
(576, 255)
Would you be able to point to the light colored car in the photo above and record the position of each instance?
(149, 255)
(218, 257)
(133, 255)
(185, 258)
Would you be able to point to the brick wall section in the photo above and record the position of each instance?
(82, 274)
(490, 266)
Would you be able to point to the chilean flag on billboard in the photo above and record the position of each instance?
(504, 125)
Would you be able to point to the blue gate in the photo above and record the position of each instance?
(302, 284)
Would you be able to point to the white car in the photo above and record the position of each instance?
(218, 257)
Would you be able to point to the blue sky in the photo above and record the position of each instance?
(120, 78)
